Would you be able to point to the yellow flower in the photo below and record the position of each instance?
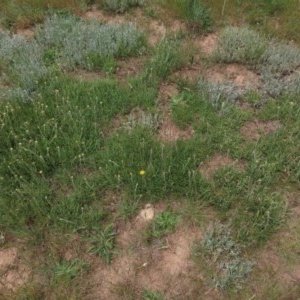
(142, 172)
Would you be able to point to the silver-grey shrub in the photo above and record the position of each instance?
(240, 45)
(221, 94)
(224, 255)
(85, 44)
(21, 61)
(281, 58)
(276, 86)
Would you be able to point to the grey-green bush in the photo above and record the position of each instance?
(240, 45)
(88, 45)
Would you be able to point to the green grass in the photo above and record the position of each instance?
(194, 12)
(67, 145)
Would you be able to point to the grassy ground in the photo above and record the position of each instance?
(149, 160)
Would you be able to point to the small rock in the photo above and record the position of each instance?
(147, 213)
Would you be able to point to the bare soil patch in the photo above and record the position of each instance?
(211, 165)
(170, 132)
(26, 32)
(95, 14)
(239, 75)
(13, 272)
(190, 74)
(256, 129)
(166, 92)
(156, 32)
(137, 267)
(207, 44)
(84, 75)
(131, 66)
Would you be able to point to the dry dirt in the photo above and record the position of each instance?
(256, 129)
(239, 75)
(162, 266)
(208, 44)
(217, 161)
(168, 131)
(13, 272)
(190, 74)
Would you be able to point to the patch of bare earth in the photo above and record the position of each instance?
(95, 14)
(129, 67)
(256, 129)
(211, 165)
(168, 131)
(84, 75)
(13, 272)
(26, 32)
(190, 74)
(207, 44)
(166, 92)
(239, 75)
(162, 266)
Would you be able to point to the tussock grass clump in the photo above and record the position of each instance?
(240, 45)
(121, 5)
(166, 58)
(194, 12)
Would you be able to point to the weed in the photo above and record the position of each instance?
(150, 295)
(224, 254)
(102, 243)
(163, 224)
(68, 270)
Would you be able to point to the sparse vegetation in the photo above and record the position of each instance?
(223, 255)
(96, 123)
(121, 5)
(194, 12)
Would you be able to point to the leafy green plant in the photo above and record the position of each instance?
(102, 243)
(68, 270)
(163, 224)
(150, 295)
(224, 254)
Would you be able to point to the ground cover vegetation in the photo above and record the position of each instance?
(113, 157)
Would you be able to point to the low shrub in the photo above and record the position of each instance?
(224, 256)
(88, 45)
(240, 45)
